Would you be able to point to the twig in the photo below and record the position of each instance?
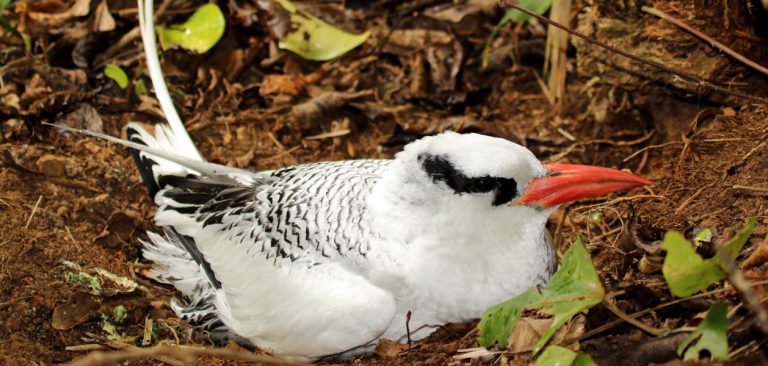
(705, 37)
(185, 354)
(623, 316)
(745, 288)
(34, 209)
(684, 75)
(690, 198)
(757, 191)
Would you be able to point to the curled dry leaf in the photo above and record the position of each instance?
(78, 9)
(120, 227)
(389, 348)
(102, 18)
(529, 330)
(758, 257)
(79, 308)
(306, 114)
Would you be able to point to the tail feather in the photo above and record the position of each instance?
(177, 134)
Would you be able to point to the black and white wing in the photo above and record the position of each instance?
(271, 256)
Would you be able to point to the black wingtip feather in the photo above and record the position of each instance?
(143, 163)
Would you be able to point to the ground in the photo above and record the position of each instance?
(71, 206)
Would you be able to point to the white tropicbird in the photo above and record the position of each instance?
(324, 259)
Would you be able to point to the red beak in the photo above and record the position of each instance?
(569, 182)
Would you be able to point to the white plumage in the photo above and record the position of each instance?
(324, 259)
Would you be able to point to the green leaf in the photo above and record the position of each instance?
(702, 236)
(684, 269)
(737, 242)
(686, 272)
(117, 74)
(559, 356)
(712, 336)
(574, 288)
(499, 320)
(10, 28)
(199, 33)
(139, 88)
(535, 6)
(313, 39)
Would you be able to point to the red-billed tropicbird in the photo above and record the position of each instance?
(324, 259)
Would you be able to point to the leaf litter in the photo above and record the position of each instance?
(417, 72)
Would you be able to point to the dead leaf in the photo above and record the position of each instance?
(276, 84)
(308, 113)
(458, 10)
(52, 166)
(78, 9)
(78, 309)
(84, 117)
(102, 19)
(529, 330)
(120, 227)
(388, 348)
(758, 257)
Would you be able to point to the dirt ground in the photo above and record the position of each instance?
(72, 207)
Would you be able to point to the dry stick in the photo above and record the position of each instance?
(745, 288)
(623, 316)
(705, 37)
(684, 75)
(757, 191)
(185, 354)
(34, 209)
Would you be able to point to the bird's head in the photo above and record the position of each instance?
(504, 173)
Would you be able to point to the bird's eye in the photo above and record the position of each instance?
(485, 184)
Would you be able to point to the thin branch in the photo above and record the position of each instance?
(684, 75)
(629, 319)
(705, 37)
(184, 354)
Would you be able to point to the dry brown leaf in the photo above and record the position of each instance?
(276, 84)
(120, 227)
(758, 257)
(389, 348)
(78, 9)
(528, 331)
(78, 309)
(103, 20)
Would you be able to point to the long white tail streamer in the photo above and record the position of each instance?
(147, 28)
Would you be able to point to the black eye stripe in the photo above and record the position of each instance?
(440, 169)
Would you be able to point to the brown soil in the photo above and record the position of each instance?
(78, 199)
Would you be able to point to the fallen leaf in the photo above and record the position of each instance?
(78, 309)
(103, 20)
(388, 348)
(574, 288)
(758, 257)
(559, 356)
(78, 9)
(117, 74)
(529, 330)
(274, 84)
(686, 272)
(307, 35)
(712, 335)
(199, 33)
(52, 165)
(120, 226)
